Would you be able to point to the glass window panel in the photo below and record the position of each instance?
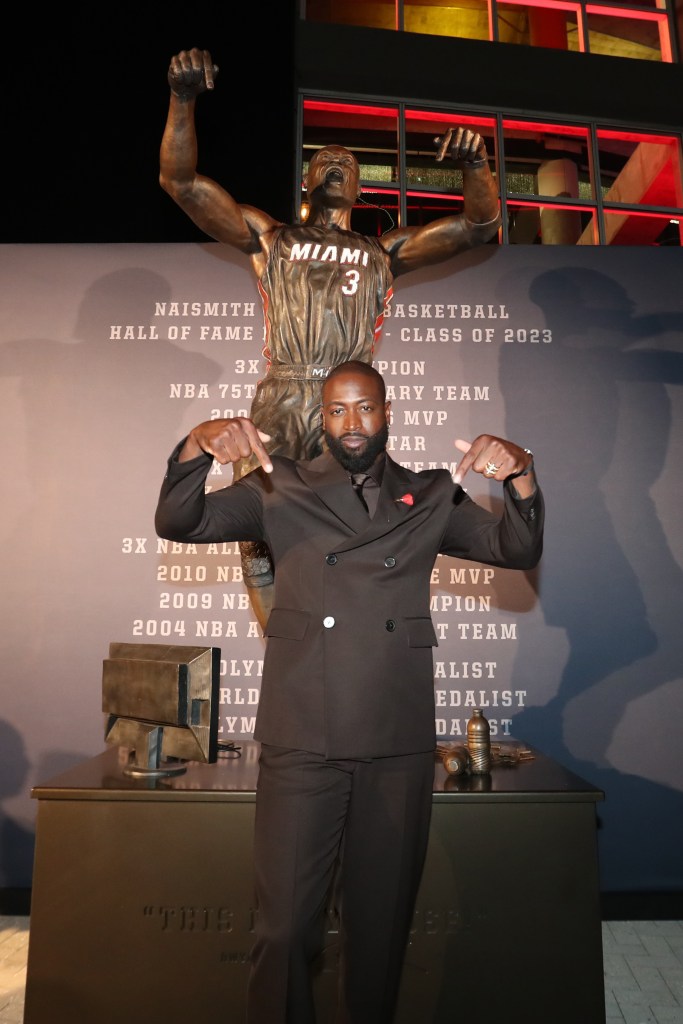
(633, 228)
(368, 13)
(616, 34)
(555, 27)
(551, 225)
(376, 211)
(370, 132)
(640, 169)
(422, 127)
(547, 160)
(423, 208)
(465, 19)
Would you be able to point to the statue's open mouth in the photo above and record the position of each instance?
(334, 175)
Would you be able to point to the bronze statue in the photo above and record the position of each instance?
(324, 287)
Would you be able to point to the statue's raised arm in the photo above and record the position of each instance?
(208, 204)
(413, 247)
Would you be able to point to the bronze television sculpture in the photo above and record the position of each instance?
(161, 702)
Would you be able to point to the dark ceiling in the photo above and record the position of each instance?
(86, 105)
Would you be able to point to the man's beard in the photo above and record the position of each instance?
(359, 461)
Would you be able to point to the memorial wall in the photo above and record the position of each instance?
(111, 353)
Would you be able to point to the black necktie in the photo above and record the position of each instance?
(358, 479)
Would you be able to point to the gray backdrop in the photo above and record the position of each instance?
(111, 353)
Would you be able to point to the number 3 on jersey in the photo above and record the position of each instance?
(353, 277)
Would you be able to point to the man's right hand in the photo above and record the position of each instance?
(227, 441)
(191, 72)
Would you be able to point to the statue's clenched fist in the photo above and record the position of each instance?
(191, 72)
(463, 145)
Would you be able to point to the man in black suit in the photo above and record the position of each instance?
(346, 714)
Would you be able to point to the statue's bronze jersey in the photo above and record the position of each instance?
(324, 294)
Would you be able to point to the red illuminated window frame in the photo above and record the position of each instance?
(658, 17)
(496, 125)
(659, 14)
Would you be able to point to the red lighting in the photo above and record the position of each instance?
(630, 212)
(625, 12)
(549, 205)
(637, 137)
(443, 196)
(350, 108)
(575, 131)
(440, 117)
(549, 5)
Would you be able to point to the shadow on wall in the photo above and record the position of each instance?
(16, 841)
(92, 437)
(596, 406)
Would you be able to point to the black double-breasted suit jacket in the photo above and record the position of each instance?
(348, 668)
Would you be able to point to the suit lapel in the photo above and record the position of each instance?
(330, 482)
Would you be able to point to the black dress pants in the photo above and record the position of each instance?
(309, 811)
